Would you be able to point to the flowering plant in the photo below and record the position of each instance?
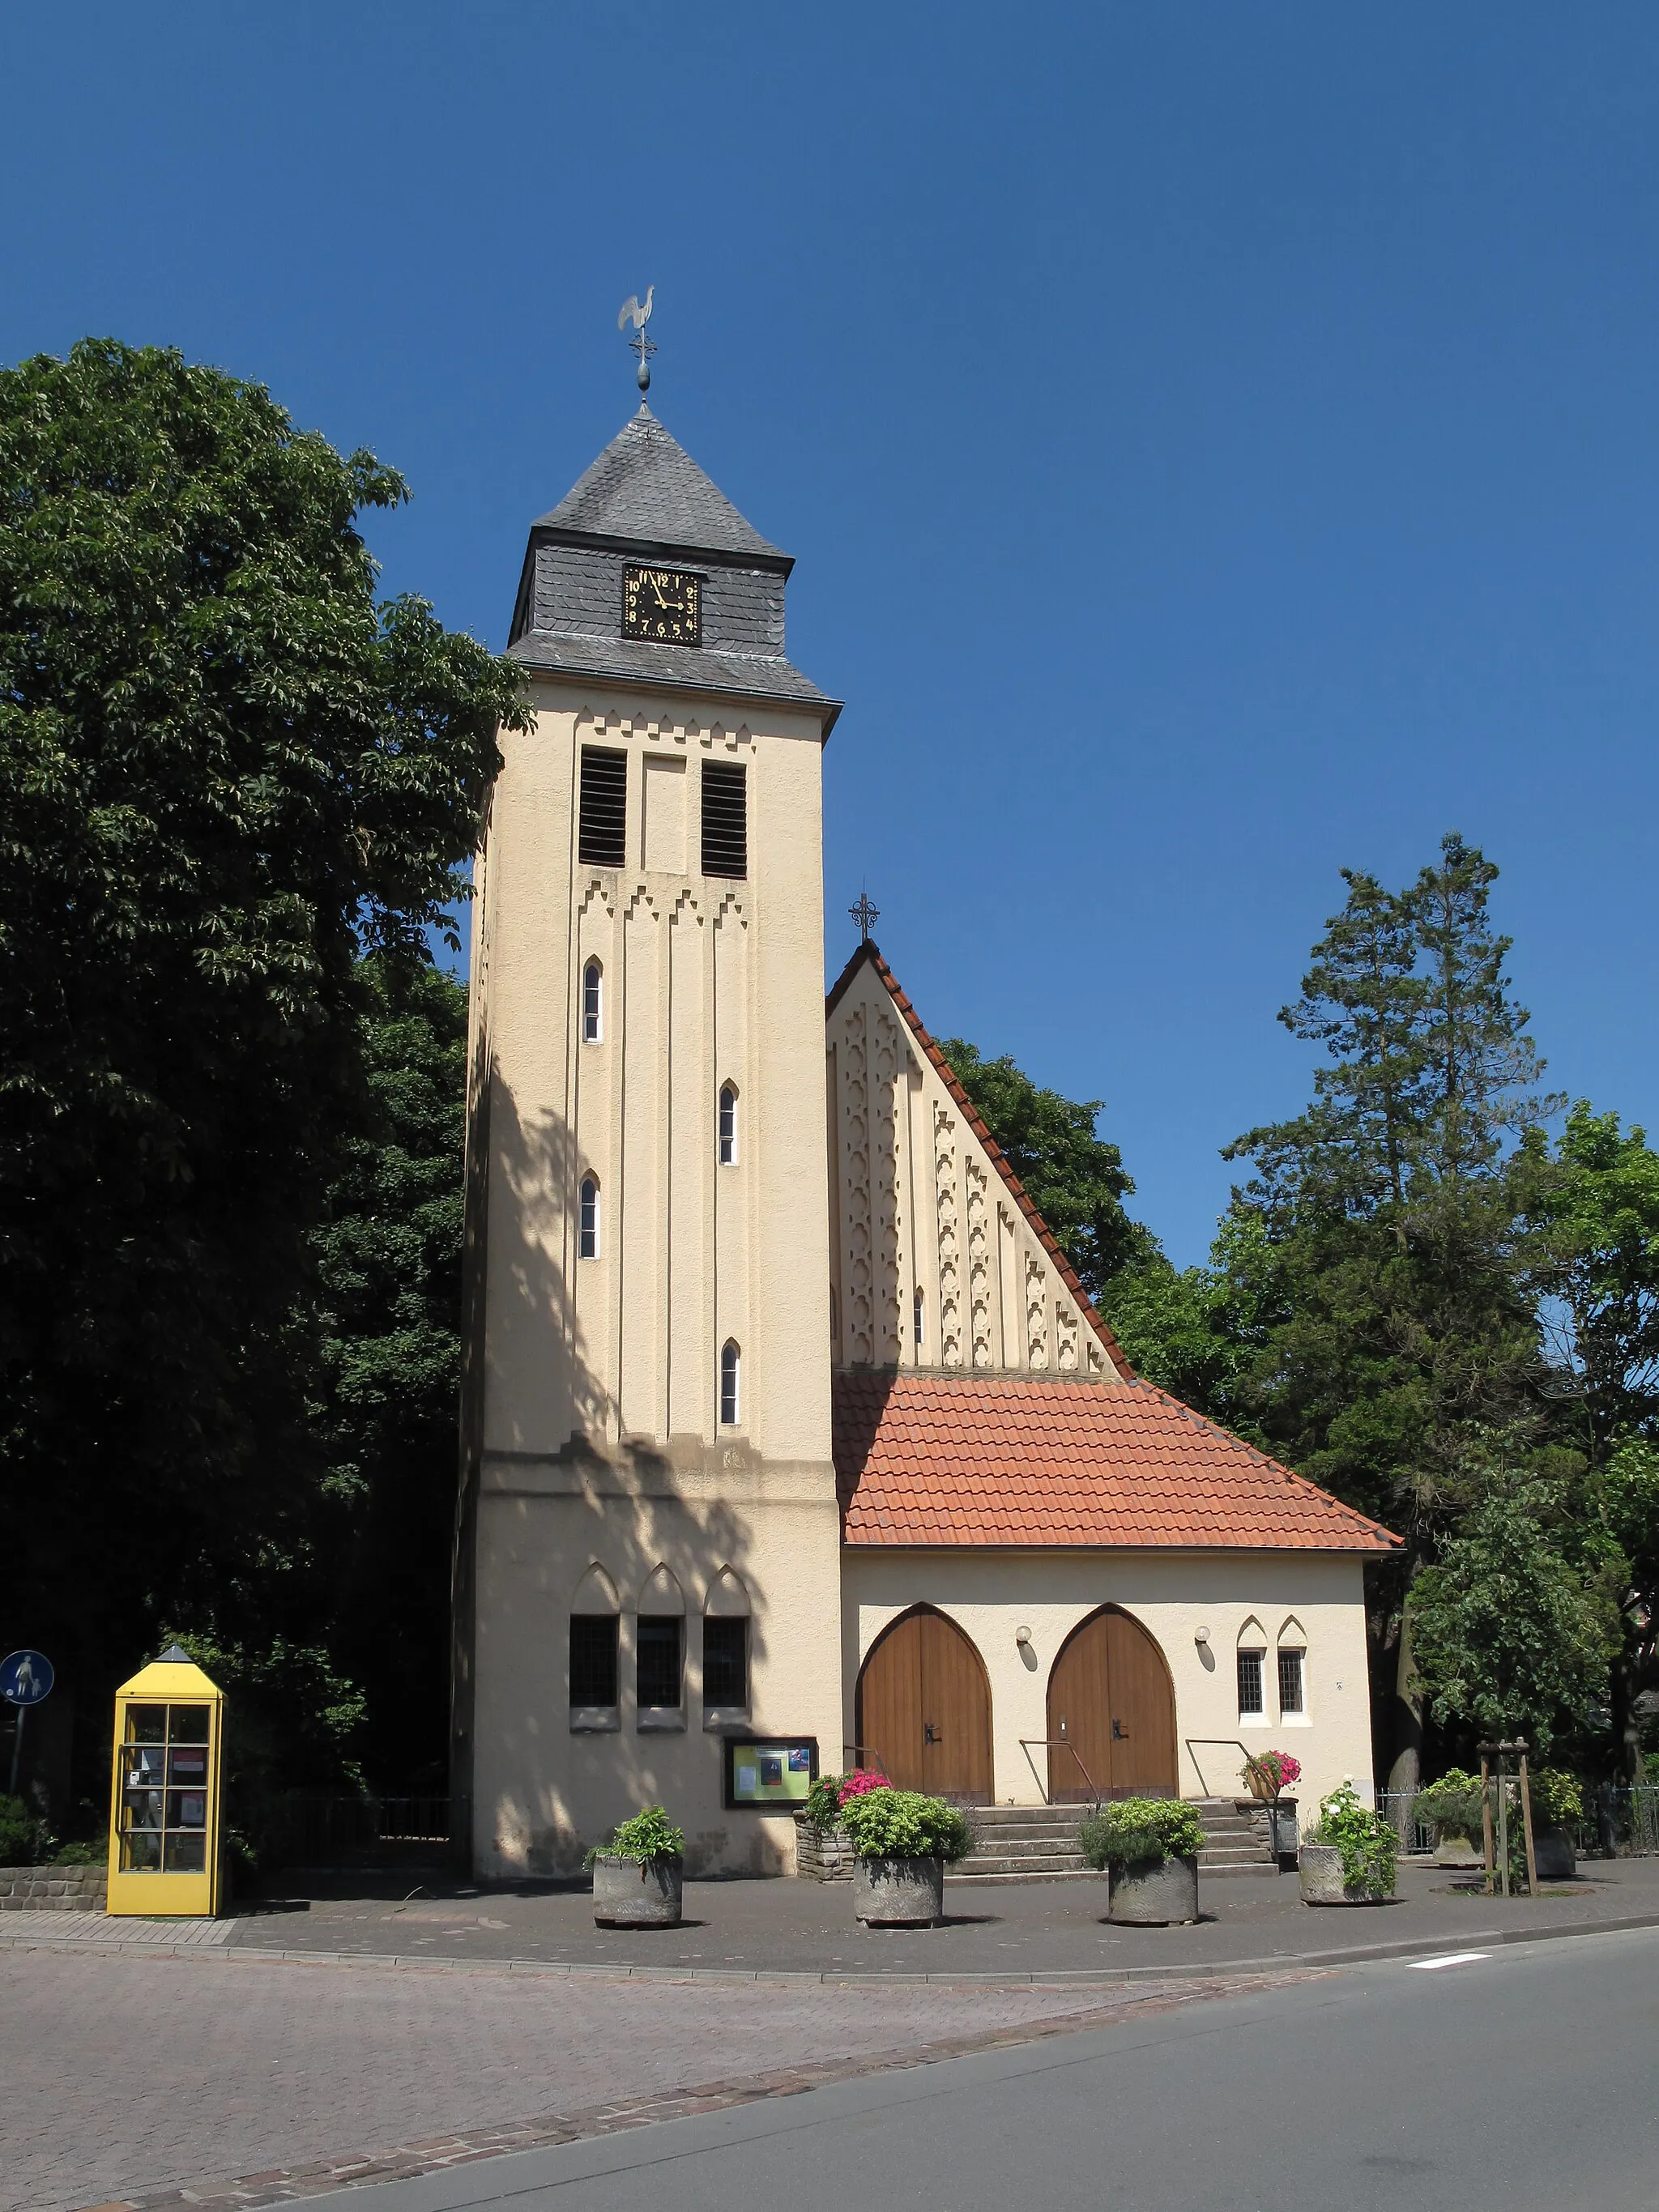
(861, 1783)
(831, 1791)
(1268, 1772)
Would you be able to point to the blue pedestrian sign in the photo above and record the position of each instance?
(26, 1677)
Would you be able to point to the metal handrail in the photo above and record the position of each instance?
(865, 1760)
(1237, 1746)
(1030, 1743)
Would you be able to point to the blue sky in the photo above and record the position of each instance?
(1218, 444)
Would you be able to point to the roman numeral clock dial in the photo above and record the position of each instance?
(663, 606)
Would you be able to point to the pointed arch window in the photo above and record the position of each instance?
(728, 1125)
(919, 1310)
(731, 1384)
(587, 1219)
(592, 1003)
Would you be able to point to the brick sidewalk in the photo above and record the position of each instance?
(130, 2079)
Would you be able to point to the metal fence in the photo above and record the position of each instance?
(316, 1830)
(1634, 1815)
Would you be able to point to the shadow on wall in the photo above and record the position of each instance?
(634, 1518)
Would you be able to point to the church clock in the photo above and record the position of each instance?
(663, 606)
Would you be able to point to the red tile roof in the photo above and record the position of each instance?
(1011, 1460)
(871, 954)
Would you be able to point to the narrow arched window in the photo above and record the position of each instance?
(919, 1310)
(731, 1365)
(728, 1126)
(587, 1222)
(593, 1002)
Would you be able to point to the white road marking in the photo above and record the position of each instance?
(1450, 1959)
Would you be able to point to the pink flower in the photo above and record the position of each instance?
(1289, 1770)
(861, 1783)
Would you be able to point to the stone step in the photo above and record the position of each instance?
(1038, 1867)
(983, 1877)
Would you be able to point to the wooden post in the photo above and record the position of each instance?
(1503, 1822)
(1526, 1816)
(1486, 1819)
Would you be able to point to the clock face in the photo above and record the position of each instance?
(663, 605)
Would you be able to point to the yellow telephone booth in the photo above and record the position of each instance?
(164, 1814)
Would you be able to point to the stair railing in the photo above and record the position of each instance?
(1030, 1743)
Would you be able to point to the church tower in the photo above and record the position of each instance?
(647, 1551)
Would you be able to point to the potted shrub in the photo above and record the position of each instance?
(1148, 1848)
(1451, 1806)
(1556, 1800)
(903, 1843)
(1348, 1857)
(1265, 1776)
(822, 1852)
(637, 1872)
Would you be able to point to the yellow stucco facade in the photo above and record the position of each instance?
(691, 1199)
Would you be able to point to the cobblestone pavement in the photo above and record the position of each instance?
(130, 2079)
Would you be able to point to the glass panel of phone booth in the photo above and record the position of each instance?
(186, 1854)
(166, 1744)
(147, 1724)
(187, 1723)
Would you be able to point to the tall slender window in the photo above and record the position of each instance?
(593, 1002)
(1250, 1706)
(659, 1660)
(602, 826)
(724, 819)
(920, 1310)
(587, 1220)
(731, 1361)
(728, 1126)
(724, 1662)
(593, 1659)
(1289, 1680)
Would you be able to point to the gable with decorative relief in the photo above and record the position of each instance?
(937, 1261)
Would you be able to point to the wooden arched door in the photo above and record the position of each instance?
(1111, 1701)
(924, 1706)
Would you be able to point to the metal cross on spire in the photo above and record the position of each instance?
(639, 314)
(865, 914)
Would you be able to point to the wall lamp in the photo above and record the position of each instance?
(1200, 1636)
(1023, 1636)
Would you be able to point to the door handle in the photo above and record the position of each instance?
(929, 1733)
(1118, 1733)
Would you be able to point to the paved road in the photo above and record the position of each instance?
(1524, 2078)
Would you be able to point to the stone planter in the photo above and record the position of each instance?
(54, 1888)
(1552, 1850)
(1157, 1894)
(1321, 1866)
(821, 1857)
(899, 1893)
(1452, 1850)
(637, 1894)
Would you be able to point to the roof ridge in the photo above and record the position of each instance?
(871, 953)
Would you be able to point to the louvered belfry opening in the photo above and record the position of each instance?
(603, 831)
(725, 819)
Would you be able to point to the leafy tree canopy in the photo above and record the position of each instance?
(225, 772)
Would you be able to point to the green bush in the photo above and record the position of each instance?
(1452, 1804)
(1138, 1831)
(647, 1837)
(901, 1823)
(1367, 1842)
(25, 1838)
(1556, 1796)
(80, 1854)
(824, 1802)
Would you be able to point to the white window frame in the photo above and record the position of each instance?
(730, 1405)
(593, 1001)
(1251, 1715)
(1299, 1717)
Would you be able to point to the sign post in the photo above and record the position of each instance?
(26, 1677)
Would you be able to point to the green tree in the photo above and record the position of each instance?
(1404, 1327)
(225, 773)
(1593, 1208)
(1075, 1179)
(1510, 1637)
(388, 1377)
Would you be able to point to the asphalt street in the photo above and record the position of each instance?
(1527, 2076)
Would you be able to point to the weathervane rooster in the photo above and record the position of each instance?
(638, 312)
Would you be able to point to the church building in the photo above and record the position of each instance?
(791, 1440)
